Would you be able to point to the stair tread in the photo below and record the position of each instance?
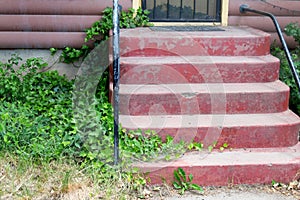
(193, 89)
(233, 41)
(209, 120)
(229, 31)
(242, 156)
(202, 60)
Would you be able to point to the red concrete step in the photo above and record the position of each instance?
(239, 166)
(217, 98)
(237, 130)
(199, 69)
(233, 41)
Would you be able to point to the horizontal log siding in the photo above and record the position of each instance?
(48, 23)
(60, 23)
(58, 7)
(286, 11)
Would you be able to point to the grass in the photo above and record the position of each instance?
(24, 179)
(65, 180)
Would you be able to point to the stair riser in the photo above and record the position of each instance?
(230, 103)
(199, 73)
(235, 137)
(189, 46)
(228, 175)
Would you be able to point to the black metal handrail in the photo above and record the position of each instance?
(245, 8)
(116, 69)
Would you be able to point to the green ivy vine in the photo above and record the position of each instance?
(100, 31)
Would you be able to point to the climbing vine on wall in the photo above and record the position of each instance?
(100, 31)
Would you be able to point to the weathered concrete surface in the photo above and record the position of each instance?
(199, 69)
(234, 41)
(237, 130)
(164, 88)
(217, 98)
(237, 166)
(70, 70)
(234, 195)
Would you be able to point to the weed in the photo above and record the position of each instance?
(211, 147)
(184, 183)
(224, 146)
(195, 146)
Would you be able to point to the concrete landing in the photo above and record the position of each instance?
(243, 41)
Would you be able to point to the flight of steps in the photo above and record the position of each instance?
(211, 87)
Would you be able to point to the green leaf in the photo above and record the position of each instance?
(225, 145)
(191, 177)
(176, 185)
(190, 146)
(196, 187)
(177, 176)
(181, 173)
(182, 191)
(185, 185)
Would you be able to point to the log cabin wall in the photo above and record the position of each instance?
(286, 11)
(39, 24)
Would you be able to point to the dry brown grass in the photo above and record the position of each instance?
(64, 180)
(22, 179)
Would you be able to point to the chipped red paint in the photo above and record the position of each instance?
(195, 69)
(241, 41)
(237, 130)
(239, 166)
(206, 87)
(203, 98)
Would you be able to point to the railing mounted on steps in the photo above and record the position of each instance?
(116, 69)
(245, 8)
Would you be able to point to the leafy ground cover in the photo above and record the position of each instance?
(286, 76)
(48, 151)
(45, 152)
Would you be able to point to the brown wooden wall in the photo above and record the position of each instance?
(48, 23)
(60, 23)
(286, 11)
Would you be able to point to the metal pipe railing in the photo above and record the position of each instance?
(245, 8)
(116, 69)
